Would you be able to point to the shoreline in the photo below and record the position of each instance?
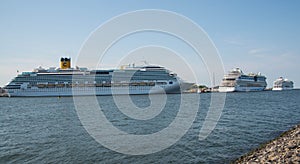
(283, 149)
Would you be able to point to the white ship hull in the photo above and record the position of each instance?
(98, 91)
(240, 89)
(281, 89)
(226, 89)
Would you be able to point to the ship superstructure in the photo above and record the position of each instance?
(236, 80)
(67, 81)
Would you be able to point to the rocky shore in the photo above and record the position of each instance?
(283, 149)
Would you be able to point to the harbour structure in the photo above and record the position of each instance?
(237, 81)
(282, 84)
(67, 81)
(3, 92)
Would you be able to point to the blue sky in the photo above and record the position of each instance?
(257, 36)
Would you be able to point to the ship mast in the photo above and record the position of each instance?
(214, 80)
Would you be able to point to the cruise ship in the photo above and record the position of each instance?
(67, 81)
(282, 84)
(237, 81)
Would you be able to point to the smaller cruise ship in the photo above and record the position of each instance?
(282, 84)
(237, 81)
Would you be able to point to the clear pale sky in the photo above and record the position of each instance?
(257, 36)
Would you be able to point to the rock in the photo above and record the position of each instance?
(291, 146)
(283, 149)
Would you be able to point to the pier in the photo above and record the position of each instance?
(3, 93)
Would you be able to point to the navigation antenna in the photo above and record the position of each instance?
(214, 80)
(145, 62)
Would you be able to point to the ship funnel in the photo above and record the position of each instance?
(65, 63)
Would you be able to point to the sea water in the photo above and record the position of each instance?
(48, 129)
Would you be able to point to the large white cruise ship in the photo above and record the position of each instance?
(282, 84)
(237, 81)
(67, 81)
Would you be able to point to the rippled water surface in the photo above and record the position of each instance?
(48, 129)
